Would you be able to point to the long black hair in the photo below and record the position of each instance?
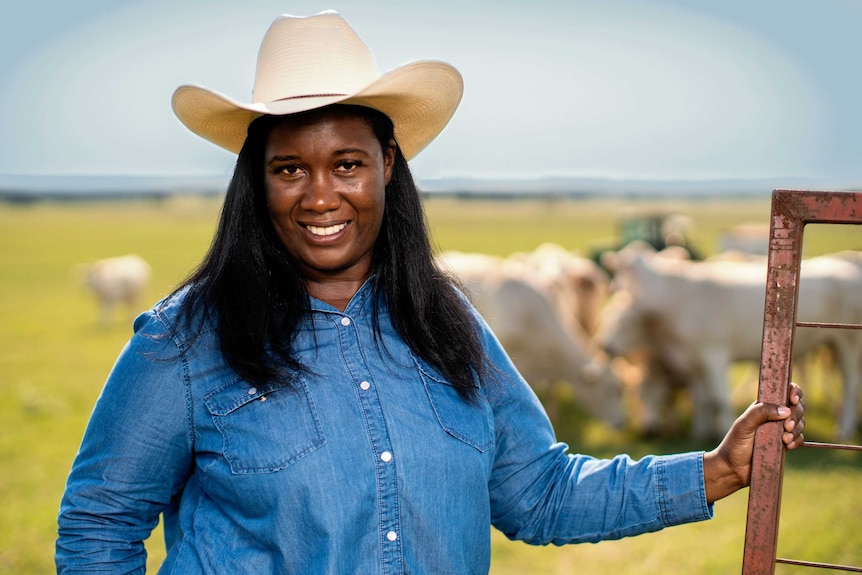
(252, 288)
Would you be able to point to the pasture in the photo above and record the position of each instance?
(54, 356)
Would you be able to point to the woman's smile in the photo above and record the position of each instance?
(325, 231)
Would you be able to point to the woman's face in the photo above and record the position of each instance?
(325, 180)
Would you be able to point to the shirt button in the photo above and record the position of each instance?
(252, 391)
(345, 321)
(364, 385)
(386, 457)
(392, 536)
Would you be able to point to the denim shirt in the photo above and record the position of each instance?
(369, 462)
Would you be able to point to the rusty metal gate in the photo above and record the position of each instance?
(791, 210)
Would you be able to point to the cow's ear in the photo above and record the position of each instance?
(678, 253)
(609, 260)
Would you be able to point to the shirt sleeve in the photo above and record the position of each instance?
(540, 493)
(134, 458)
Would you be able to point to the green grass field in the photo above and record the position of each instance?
(55, 358)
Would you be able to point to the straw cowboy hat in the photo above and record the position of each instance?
(306, 63)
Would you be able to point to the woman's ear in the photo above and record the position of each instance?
(389, 160)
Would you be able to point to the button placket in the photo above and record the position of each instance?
(378, 435)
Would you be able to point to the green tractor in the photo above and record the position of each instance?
(658, 229)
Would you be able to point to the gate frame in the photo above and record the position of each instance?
(791, 211)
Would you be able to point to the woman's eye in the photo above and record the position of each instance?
(349, 165)
(290, 169)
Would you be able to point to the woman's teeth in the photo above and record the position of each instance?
(326, 231)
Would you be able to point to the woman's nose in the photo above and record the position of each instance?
(320, 195)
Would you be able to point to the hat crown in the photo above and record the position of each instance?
(291, 63)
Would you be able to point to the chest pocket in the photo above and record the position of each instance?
(471, 423)
(267, 429)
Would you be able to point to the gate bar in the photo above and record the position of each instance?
(820, 565)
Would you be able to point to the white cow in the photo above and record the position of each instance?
(515, 302)
(578, 286)
(117, 281)
(693, 319)
(641, 339)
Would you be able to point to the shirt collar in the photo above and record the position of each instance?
(361, 302)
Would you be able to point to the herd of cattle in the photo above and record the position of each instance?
(658, 323)
(647, 324)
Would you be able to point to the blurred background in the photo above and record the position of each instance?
(584, 125)
(618, 89)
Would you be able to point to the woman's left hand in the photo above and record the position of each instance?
(727, 468)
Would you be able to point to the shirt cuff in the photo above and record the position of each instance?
(680, 489)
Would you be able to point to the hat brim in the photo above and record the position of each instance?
(420, 99)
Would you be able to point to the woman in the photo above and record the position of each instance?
(318, 397)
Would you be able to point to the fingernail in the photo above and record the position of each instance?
(783, 411)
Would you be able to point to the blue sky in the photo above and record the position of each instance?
(603, 88)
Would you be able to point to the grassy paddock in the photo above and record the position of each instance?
(55, 358)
